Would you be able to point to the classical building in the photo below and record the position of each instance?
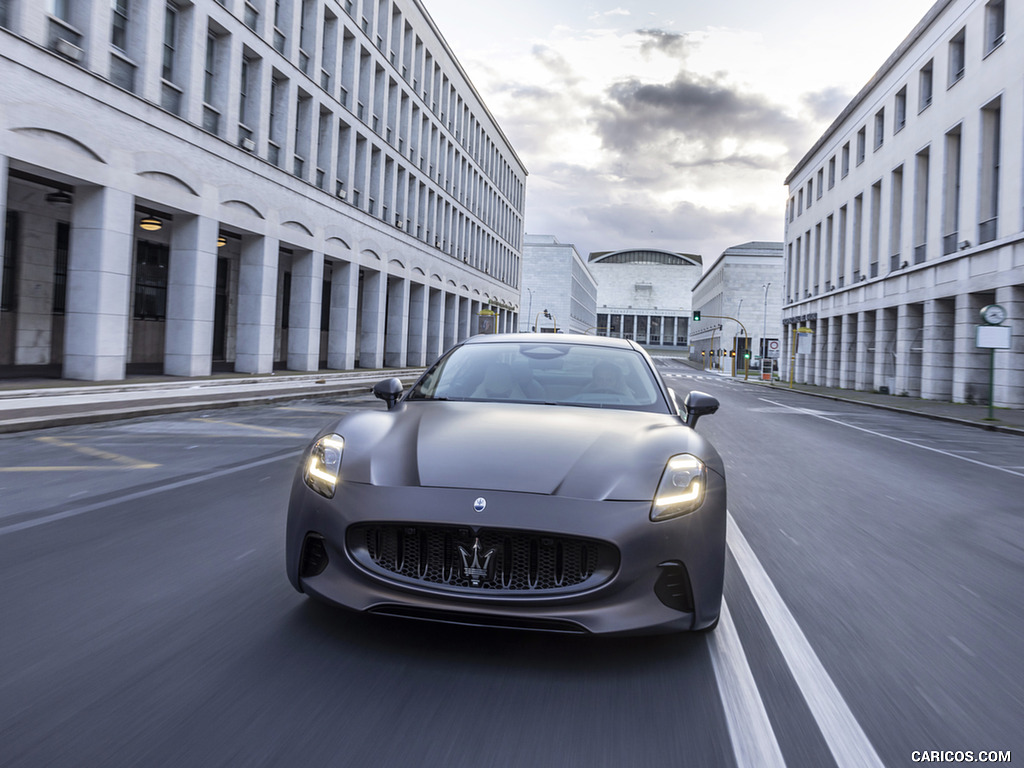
(644, 294)
(739, 297)
(906, 218)
(559, 291)
(245, 184)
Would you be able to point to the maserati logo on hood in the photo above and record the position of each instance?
(475, 562)
(480, 504)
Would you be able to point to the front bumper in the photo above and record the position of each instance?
(642, 592)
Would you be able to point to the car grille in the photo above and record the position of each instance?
(482, 561)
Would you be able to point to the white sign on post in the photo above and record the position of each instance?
(992, 336)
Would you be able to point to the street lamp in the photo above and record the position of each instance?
(764, 333)
(529, 311)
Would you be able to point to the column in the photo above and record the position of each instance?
(938, 342)
(883, 362)
(416, 347)
(848, 352)
(908, 354)
(1009, 363)
(970, 364)
(99, 281)
(435, 326)
(397, 326)
(465, 314)
(371, 337)
(257, 304)
(304, 315)
(191, 296)
(341, 335)
(865, 340)
(451, 321)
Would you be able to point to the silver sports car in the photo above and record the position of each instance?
(537, 481)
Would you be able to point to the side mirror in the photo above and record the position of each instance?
(389, 390)
(698, 404)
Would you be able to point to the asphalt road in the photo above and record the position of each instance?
(872, 591)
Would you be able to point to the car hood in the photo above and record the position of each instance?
(601, 454)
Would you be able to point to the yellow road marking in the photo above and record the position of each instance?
(268, 430)
(120, 462)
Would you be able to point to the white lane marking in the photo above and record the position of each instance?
(850, 746)
(753, 740)
(816, 414)
(142, 494)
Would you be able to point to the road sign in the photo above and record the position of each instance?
(773, 348)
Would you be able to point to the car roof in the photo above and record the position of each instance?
(553, 338)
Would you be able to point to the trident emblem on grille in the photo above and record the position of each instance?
(475, 569)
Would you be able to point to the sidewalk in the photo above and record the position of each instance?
(1010, 420)
(27, 404)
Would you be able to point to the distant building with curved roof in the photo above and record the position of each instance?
(644, 294)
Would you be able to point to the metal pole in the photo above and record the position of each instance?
(764, 334)
(991, 381)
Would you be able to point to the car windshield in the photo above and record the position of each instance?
(544, 372)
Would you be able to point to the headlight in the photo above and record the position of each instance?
(323, 464)
(681, 489)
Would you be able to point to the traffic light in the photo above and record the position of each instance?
(702, 353)
(746, 354)
(696, 315)
(732, 353)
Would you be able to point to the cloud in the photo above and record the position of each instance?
(826, 104)
(671, 43)
(705, 111)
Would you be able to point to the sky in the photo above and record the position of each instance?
(666, 123)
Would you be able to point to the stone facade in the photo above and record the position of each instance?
(741, 291)
(329, 189)
(645, 294)
(556, 279)
(905, 219)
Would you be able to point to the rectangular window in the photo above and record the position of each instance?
(119, 24)
(862, 140)
(61, 9)
(831, 171)
(896, 219)
(151, 260)
(988, 188)
(170, 41)
(879, 128)
(995, 24)
(925, 87)
(821, 185)
(841, 260)
(875, 231)
(951, 189)
(210, 68)
(899, 119)
(251, 17)
(957, 56)
(858, 232)
(846, 159)
(810, 192)
(921, 173)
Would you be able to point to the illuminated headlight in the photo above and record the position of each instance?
(681, 489)
(323, 464)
